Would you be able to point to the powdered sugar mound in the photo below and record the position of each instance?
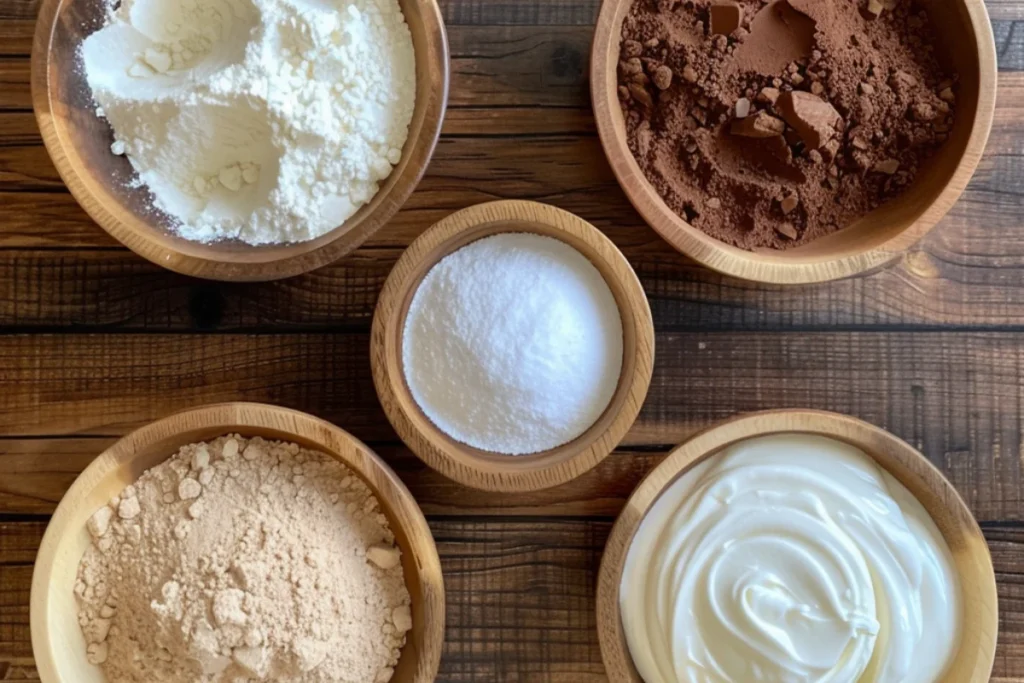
(243, 560)
(267, 121)
(513, 344)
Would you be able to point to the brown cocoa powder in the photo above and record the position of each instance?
(805, 117)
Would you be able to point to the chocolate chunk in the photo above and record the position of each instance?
(902, 82)
(760, 125)
(714, 203)
(631, 66)
(830, 150)
(742, 108)
(768, 95)
(662, 77)
(726, 17)
(786, 230)
(789, 203)
(946, 95)
(641, 95)
(812, 117)
(888, 166)
(865, 110)
(875, 8)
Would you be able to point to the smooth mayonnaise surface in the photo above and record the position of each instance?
(789, 558)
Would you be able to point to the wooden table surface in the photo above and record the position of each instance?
(95, 341)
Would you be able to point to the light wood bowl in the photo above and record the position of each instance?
(472, 466)
(872, 241)
(79, 144)
(57, 641)
(974, 659)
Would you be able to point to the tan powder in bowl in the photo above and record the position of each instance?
(243, 560)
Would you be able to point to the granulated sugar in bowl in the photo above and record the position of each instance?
(513, 344)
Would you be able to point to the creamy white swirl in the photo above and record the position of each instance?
(789, 558)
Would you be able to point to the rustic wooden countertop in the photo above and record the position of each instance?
(94, 341)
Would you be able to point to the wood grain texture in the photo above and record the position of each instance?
(971, 662)
(472, 466)
(929, 348)
(956, 396)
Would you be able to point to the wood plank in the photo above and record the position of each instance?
(539, 166)
(18, 128)
(959, 397)
(497, 12)
(580, 182)
(35, 473)
(520, 600)
(15, 88)
(569, 171)
(113, 290)
(509, 65)
(490, 66)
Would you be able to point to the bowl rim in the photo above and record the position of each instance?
(482, 469)
(904, 463)
(240, 417)
(250, 263)
(767, 265)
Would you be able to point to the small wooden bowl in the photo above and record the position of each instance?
(872, 241)
(57, 641)
(472, 466)
(974, 659)
(79, 144)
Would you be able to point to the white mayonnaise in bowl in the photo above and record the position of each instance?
(796, 545)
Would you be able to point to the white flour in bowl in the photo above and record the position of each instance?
(267, 121)
(244, 560)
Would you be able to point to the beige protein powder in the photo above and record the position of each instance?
(243, 560)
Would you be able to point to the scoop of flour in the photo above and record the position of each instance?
(266, 121)
(243, 560)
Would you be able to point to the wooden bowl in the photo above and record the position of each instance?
(472, 466)
(57, 641)
(973, 661)
(79, 144)
(872, 241)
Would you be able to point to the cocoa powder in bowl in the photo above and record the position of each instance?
(769, 123)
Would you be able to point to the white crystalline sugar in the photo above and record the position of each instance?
(513, 344)
(267, 121)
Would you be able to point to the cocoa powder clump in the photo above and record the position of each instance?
(804, 117)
